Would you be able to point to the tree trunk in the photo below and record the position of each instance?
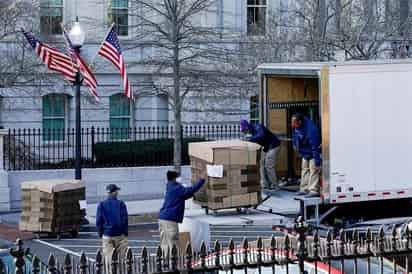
(404, 27)
(177, 152)
(338, 7)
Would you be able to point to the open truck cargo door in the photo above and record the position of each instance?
(363, 110)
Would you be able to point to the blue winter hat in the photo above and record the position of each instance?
(244, 125)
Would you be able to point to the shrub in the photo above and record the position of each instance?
(151, 152)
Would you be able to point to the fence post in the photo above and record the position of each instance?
(144, 260)
(18, 255)
(68, 264)
(51, 265)
(99, 262)
(3, 133)
(301, 228)
(4, 177)
(35, 265)
(129, 261)
(115, 261)
(174, 258)
(93, 141)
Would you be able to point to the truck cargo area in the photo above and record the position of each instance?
(286, 96)
(363, 112)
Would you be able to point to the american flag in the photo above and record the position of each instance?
(52, 58)
(88, 75)
(111, 50)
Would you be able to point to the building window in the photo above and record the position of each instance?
(119, 14)
(51, 16)
(254, 109)
(256, 17)
(119, 117)
(54, 116)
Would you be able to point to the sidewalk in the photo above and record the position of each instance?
(281, 204)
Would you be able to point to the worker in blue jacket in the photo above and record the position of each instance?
(306, 141)
(112, 225)
(271, 145)
(173, 209)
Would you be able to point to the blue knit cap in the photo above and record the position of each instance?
(244, 125)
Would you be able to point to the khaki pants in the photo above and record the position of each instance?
(169, 235)
(268, 162)
(310, 177)
(109, 244)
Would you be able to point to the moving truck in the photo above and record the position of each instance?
(364, 111)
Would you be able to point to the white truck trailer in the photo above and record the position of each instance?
(364, 110)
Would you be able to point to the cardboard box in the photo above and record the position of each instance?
(52, 205)
(241, 173)
(232, 152)
(184, 240)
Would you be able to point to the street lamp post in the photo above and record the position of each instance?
(77, 36)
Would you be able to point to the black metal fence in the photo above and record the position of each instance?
(31, 149)
(300, 253)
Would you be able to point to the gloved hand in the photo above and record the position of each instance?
(202, 181)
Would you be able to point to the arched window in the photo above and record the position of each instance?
(119, 116)
(54, 116)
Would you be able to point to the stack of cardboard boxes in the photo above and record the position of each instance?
(238, 184)
(52, 206)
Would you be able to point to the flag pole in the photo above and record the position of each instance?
(101, 44)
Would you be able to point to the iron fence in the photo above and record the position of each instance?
(299, 253)
(32, 149)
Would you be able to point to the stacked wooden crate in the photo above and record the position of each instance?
(239, 185)
(52, 206)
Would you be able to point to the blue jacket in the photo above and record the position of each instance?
(306, 140)
(111, 218)
(173, 207)
(262, 136)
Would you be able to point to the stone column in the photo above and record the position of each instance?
(4, 177)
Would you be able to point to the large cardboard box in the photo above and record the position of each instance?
(231, 152)
(52, 206)
(240, 184)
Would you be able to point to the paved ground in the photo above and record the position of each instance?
(224, 225)
(89, 243)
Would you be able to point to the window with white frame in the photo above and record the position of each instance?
(54, 116)
(51, 16)
(119, 117)
(256, 17)
(119, 14)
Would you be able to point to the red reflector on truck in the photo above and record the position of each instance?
(386, 193)
(341, 196)
(356, 195)
(371, 194)
(401, 192)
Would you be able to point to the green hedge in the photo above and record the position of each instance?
(152, 152)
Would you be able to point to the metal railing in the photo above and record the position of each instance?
(32, 149)
(300, 253)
